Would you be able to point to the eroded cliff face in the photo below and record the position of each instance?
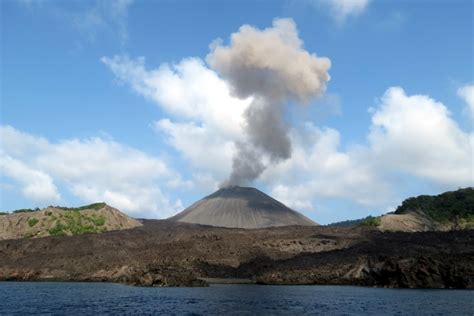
(163, 253)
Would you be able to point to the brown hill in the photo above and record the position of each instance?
(58, 221)
(241, 207)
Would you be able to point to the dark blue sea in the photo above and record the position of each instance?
(106, 298)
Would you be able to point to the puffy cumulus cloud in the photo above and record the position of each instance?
(342, 9)
(205, 149)
(416, 134)
(467, 94)
(409, 135)
(205, 118)
(93, 169)
(188, 90)
(319, 169)
(36, 185)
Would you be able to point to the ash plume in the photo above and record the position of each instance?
(246, 166)
(271, 66)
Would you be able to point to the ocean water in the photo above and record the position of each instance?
(52, 298)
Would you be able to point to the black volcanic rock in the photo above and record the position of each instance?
(241, 207)
(165, 253)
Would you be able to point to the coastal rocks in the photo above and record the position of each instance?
(420, 272)
(147, 277)
(171, 276)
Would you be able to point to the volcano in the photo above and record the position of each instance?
(241, 207)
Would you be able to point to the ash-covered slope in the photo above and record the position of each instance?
(241, 207)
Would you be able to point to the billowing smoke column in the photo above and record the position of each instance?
(272, 66)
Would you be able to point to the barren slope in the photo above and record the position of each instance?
(241, 207)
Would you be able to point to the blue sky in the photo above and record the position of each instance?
(86, 113)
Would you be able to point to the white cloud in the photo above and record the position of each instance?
(208, 118)
(188, 90)
(342, 9)
(92, 19)
(93, 170)
(318, 169)
(416, 134)
(109, 16)
(411, 135)
(467, 94)
(36, 185)
(205, 149)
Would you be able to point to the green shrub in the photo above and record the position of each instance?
(97, 220)
(57, 230)
(32, 222)
(370, 221)
(4, 213)
(78, 223)
(27, 236)
(93, 206)
(26, 210)
(446, 207)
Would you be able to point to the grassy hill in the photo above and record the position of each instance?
(449, 210)
(63, 221)
(454, 206)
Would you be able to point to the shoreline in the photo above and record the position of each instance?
(231, 281)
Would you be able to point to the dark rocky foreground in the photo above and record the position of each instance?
(163, 253)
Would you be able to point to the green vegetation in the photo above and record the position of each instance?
(57, 230)
(347, 223)
(366, 221)
(370, 221)
(97, 220)
(27, 236)
(26, 210)
(93, 206)
(455, 206)
(68, 221)
(76, 223)
(32, 222)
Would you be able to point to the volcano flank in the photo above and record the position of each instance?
(241, 207)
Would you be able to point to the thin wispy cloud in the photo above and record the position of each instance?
(467, 94)
(104, 16)
(341, 10)
(96, 19)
